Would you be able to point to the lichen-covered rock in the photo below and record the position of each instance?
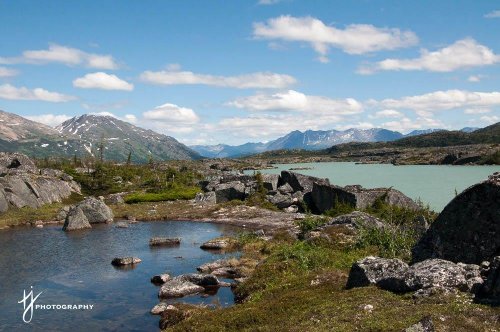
(96, 210)
(436, 273)
(377, 271)
(120, 261)
(115, 199)
(424, 325)
(19, 162)
(161, 307)
(75, 220)
(355, 220)
(468, 229)
(218, 243)
(164, 241)
(178, 288)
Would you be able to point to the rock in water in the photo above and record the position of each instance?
(468, 229)
(120, 261)
(178, 288)
(164, 241)
(96, 210)
(217, 244)
(160, 278)
(75, 220)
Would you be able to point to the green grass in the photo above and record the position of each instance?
(172, 194)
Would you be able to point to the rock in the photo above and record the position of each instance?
(75, 220)
(270, 181)
(178, 288)
(130, 218)
(491, 287)
(96, 211)
(211, 266)
(355, 220)
(229, 191)
(468, 229)
(324, 197)
(227, 272)
(161, 307)
(218, 244)
(285, 189)
(160, 278)
(164, 241)
(121, 224)
(377, 271)
(4, 204)
(208, 198)
(63, 212)
(120, 261)
(300, 182)
(204, 280)
(18, 162)
(292, 209)
(423, 325)
(115, 199)
(281, 201)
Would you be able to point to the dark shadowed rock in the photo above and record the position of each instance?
(325, 196)
(160, 278)
(468, 229)
(424, 325)
(75, 220)
(491, 287)
(225, 192)
(120, 261)
(300, 182)
(375, 271)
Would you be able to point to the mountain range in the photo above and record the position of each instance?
(84, 135)
(310, 140)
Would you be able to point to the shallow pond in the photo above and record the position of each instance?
(75, 268)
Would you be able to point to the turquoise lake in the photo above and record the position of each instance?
(432, 184)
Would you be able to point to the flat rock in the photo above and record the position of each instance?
(164, 241)
(178, 288)
(217, 244)
(120, 261)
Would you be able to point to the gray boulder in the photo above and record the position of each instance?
(16, 162)
(325, 196)
(423, 325)
(187, 284)
(164, 241)
(218, 244)
(226, 192)
(355, 220)
(96, 210)
(75, 220)
(282, 201)
(468, 229)
(4, 204)
(378, 271)
(491, 287)
(115, 199)
(285, 189)
(270, 181)
(120, 261)
(300, 182)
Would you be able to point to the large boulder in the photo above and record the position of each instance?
(355, 220)
(225, 192)
(468, 229)
(325, 196)
(282, 201)
(16, 162)
(270, 181)
(376, 271)
(491, 287)
(187, 284)
(300, 182)
(96, 210)
(76, 220)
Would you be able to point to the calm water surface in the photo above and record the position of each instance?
(434, 185)
(75, 268)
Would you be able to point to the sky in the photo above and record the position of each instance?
(210, 72)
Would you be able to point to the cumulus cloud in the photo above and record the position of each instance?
(259, 80)
(493, 14)
(353, 39)
(490, 119)
(387, 114)
(102, 81)
(11, 92)
(465, 53)
(296, 101)
(443, 100)
(64, 55)
(7, 72)
(406, 124)
(171, 113)
(52, 120)
(477, 110)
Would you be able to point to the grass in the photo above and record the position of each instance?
(172, 194)
(26, 215)
(301, 287)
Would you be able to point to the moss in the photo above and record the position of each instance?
(171, 194)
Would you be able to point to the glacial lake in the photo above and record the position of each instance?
(75, 268)
(432, 184)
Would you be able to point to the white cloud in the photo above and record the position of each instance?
(64, 55)
(7, 72)
(354, 39)
(490, 119)
(475, 78)
(443, 100)
(102, 81)
(388, 114)
(359, 125)
(260, 80)
(11, 92)
(130, 118)
(296, 101)
(49, 119)
(406, 124)
(463, 53)
(171, 113)
(493, 14)
(477, 110)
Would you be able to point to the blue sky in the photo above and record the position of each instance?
(208, 72)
